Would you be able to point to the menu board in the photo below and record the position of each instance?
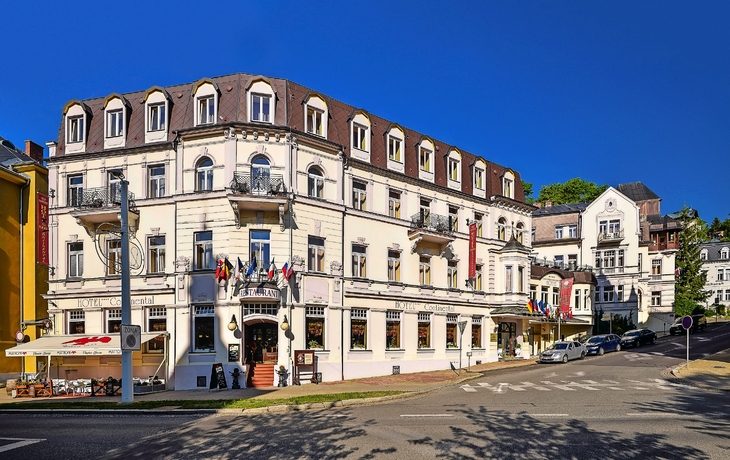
(218, 377)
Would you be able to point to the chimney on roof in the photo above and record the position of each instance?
(34, 151)
(537, 204)
(548, 203)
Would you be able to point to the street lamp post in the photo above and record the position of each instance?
(127, 384)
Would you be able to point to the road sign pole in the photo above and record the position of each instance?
(127, 385)
(687, 348)
(687, 325)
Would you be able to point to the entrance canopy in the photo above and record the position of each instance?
(74, 345)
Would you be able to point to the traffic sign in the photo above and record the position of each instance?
(687, 322)
(131, 337)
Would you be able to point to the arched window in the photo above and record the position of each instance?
(204, 175)
(502, 229)
(316, 183)
(260, 175)
(518, 232)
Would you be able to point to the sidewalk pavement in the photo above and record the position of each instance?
(710, 372)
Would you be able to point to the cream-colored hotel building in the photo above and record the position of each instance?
(371, 216)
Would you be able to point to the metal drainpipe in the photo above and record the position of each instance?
(290, 297)
(342, 276)
(22, 264)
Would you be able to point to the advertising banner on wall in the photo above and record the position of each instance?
(566, 289)
(42, 229)
(472, 250)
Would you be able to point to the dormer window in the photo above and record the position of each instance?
(206, 110)
(315, 111)
(360, 136)
(261, 108)
(426, 151)
(394, 143)
(77, 116)
(116, 110)
(454, 169)
(314, 121)
(205, 93)
(157, 114)
(394, 148)
(156, 117)
(508, 184)
(75, 129)
(479, 176)
(725, 253)
(424, 159)
(114, 123)
(261, 101)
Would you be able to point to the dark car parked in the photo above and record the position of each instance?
(600, 344)
(699, 323)
(638, 337)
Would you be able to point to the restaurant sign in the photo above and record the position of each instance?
(260, 293)
(417, 306)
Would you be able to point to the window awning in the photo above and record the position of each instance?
(74, 345)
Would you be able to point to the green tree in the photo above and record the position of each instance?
(527, 187)
(720, 229)
(573, 191)
(690, 281)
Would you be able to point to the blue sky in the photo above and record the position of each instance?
(610, 92)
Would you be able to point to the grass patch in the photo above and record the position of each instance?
(248, 403)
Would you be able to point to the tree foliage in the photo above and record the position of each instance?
(720, 229)
(573, 191)
(690, 281)
(527, 187)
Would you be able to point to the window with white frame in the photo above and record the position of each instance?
(156, 254)
(454, 218)
(75, 131)
(76, 322)
(640, 263)
(502, 229)
(316, 254)
(156, 117)
(359, 195)
(703, 254)
(656, 298)
(206, 110)
(260, 248)
(572, 231)
(425, 211)
(520, 279)
(424, 271)
(315, 324)
(656, 267)
(395, 145)
(424, 330)
(620, 293)
(576, 299)
(519, 231)
(359, 137)
(315, 183)
(508, 184)
(392, 329)
(114, 321)
(114, 123)
(558, 233)
(478, 278)
(476, 332)
(314, 121)
(204, 175)
(156, 322)
(454, 170)
(358, 329)
(394, 203)
(609, 259)
(203, 251)
(720, 274)
(156, 181)
(75, 192)
(559, 260)
(76, 259)
(203, 329)
(451, 326)
(114, 182)
(359, 261)
(316, 111)
(114, 257)
(533, 292)
(556, 296)
(508, 286)
(608, 293)
(261, 108)
(479, 219)
(544, 294)
(452, 275)
(479, 178)
(727, 295)
(425, 159)
(393, 265)
(725, 253)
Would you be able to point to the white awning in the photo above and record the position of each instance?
(74, 345)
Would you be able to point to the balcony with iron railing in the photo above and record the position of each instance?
(610, 237)
(257, 192)
(427, 226)
(93, 206)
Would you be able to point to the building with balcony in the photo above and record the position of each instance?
(369, 219)
(24, 253)
(715, 257)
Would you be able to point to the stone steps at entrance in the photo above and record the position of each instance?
(263, 376)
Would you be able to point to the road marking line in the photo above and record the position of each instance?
(589, 388)
(469, 389)
(426, 415)
(612, 382)
(547, 382)
(639, 388)
(564, 388)
(541, 388)
(593, 382)
(527, 384)
(21, 442)
(485, 384)
(615, 388)
(517, 388)
(548, 415)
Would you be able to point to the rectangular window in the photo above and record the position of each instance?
(316, 254)
(424, 330)
(359, 259)
(559, 261)
(476, 332)
(572, 261)
(156, 254)
(394, 203)
(75, 260)
(609, 259)
(727, 295)
(114, 321)
(720, 274)
(359, 137)
(76, 322)
(261, 108)
(452, 275)
(392, 329)
(454, 218)
(544, 294)
(156, 175)
(114, 257)
(206, 110)
(114, 183)
(393, 266)
(156, 322)
(479, 218)
(314, 121)
(614, 226)
(424, 159)
(114, 123)
(453, 169)
(656, 267)
(260, 247)
(424, 271)
(75, 129)
(315, 327)
(425, 210)
(508, 278)
(75, 190)
(156, 117)
(358, 329)
(204, 329)
(620, 293)
(572, 231)
(608, 294)
(394, 148)
(640, 263)
(520, 279)
(603, 226)
(656, 298)
(556, 296)
(620, 258)
(508, 188)
(451, 327)
(478, 279)
(359, 195)
(203, 251)
(597, 294)
(576, 299)
(479, 179)
(533, 292)
(559, 233)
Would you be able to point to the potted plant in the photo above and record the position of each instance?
(518, 349)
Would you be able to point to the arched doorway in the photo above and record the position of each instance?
(262, 342)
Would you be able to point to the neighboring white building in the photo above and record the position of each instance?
(371, 216)
(715, 257)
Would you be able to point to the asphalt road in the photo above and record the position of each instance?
(616, 406)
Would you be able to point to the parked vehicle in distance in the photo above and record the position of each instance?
(563, 351)
(699, 323)
(638, 337)
(600, 344)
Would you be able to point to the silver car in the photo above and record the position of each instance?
(564, 351)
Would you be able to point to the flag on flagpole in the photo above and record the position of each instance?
(227, 267)
(529, 306)
(218, 270)
(240, 267)
(288, 272)
(253, 267)
(272, 270)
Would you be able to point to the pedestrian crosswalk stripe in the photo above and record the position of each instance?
(616, 388)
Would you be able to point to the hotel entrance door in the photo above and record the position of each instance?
(262, 343)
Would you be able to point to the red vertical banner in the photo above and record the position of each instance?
(42, 229)
(566, 290)
(473, 250)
